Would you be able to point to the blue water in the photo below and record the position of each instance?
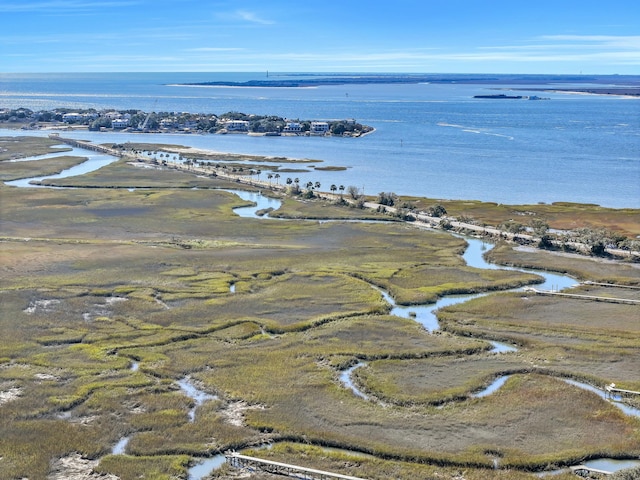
(431, 140)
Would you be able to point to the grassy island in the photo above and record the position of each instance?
(116, 292)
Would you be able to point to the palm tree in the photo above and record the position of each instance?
(317, 185)
(333, 188)
(289, 181)
(277, 175)
(309, 185)
(270, 176)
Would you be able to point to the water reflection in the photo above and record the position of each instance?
(260, 201)
(120, 447)
(345, 378)
(204, 468)
(611, 465)
(94, 162)
(493, 387)
(499, 347)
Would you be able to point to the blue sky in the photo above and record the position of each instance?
(428, 36)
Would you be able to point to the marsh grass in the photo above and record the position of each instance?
(430, 380)
(559, 215)
(127, 467)
(25, 146)
(365, 466)
(98, 278)
(294, 208)
(596, 340)
(35, 168)
(578, 266)
(426, 283)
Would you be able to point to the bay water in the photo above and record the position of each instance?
(431, 140)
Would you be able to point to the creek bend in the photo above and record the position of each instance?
(425, 314)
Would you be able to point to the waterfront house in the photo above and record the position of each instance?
(120, 123)
(236, 125)
(319, 128)
(292, 127)
(72, 117)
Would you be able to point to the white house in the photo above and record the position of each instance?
(236, 125)
(319, 128)
(293, 127)
(112, 115)
(120, 123)
(72, 117)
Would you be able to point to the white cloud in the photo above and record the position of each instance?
(244, 16)
(252, 17)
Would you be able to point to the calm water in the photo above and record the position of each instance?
(431, 140)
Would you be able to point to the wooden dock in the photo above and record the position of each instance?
(583, 470)
(594, 298)
(258, 464)
(611, 390)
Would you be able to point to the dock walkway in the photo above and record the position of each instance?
(87, 145)
(585, 297)
(583, 470)
(243, 461)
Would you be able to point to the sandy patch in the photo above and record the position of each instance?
(41, 306)
(234, 412)
(74, 467)
(10, 394)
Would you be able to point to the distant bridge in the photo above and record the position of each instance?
(86, 145)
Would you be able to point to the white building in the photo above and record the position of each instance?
(292, 127)
(236, 125)
(319, 128)
(120, 123)
(72, 117)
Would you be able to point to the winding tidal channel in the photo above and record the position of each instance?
(424, 314)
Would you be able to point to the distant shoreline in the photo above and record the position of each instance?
(631, 92)
(625, 85)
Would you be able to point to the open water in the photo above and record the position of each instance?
(431, 140)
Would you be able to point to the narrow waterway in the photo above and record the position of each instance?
(203, 468)
(120, 447)
(614, 400)
(261, 203)
(69, 152)
(94, 162)
(197, 395)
